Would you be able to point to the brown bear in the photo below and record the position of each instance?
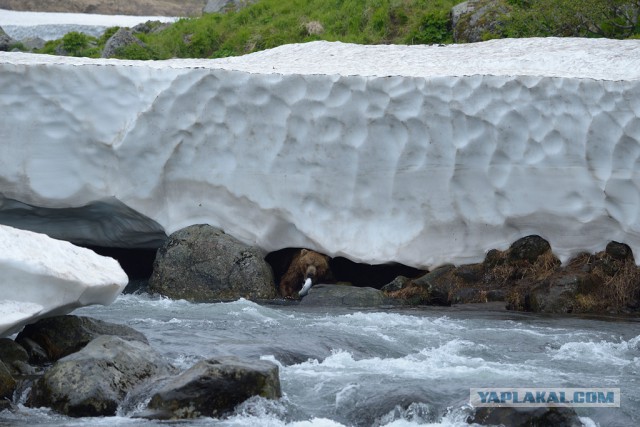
(306, 264)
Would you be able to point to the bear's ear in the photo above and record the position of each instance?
(303, 252)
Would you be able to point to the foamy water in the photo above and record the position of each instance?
(385, 368)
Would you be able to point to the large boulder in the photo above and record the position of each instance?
(477, 20)
(119, 40)
(5, 41)
(525, 417)
(33, 43)
(214, 387)
(14, 356)
(7, 383)
(63, 335)
(93, 381)
(201, 263)
(43, 277)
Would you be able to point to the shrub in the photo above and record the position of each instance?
(74, 43)
(434, 27)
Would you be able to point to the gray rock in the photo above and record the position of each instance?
(470, 273)
(345, 296)
(14, 356)
(93, 381)
(33, 43)
(217, 6)
(5, 41)
(619, 251)
(557, 294)
(119, 40)
(521, 417)
(474, 19)
(201, 263)
(62, 335)
(11, 351)
(528, 249)
(438, 284)
(468, 295)
(396, 284)
(7, 383)
(214, 387)
(150, 27)
(496, 295)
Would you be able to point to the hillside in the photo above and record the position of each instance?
(110, 7)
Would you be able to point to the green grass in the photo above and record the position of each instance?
(270, 23)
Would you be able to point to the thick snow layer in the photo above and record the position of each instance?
(413, 154)
(50, 26)
(41, 277)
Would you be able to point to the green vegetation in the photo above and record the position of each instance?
(270, 23)
(573, 18)
(73, 44)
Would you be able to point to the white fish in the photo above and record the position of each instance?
(305, 288)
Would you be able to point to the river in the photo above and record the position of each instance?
(409, 367)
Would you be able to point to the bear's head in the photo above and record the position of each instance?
(313, 265)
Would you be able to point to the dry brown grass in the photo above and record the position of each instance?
(543, 268)
(620, 290)
(506, 271)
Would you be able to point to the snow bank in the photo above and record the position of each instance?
(414, 154)
(50, 26)
(43, 277)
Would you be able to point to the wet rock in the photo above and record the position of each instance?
(214, 387)
(468, 295)
(528, 249)
(364, 408)
(437, 284)
(619, 251)
(550, 297)
(471, 273)
(93, 381)
(37, 355)
(493, 258)
(201, 263)
(558, 294)
(343, 296)
(496, 295)
(14, 356)
(60, 336)
(396, 284)
(7, 383)
(526, 417)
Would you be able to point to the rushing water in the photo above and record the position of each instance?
(376, 367)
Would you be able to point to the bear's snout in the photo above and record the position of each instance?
(311, 272)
